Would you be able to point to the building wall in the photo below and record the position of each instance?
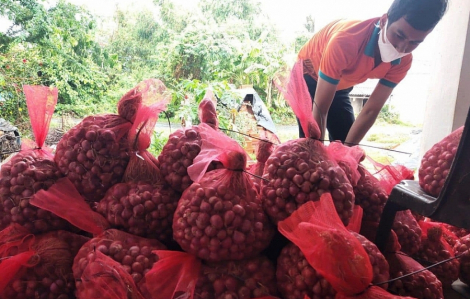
(463, 93)
(449, 91)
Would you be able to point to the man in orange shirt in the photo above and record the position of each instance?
(346, 53)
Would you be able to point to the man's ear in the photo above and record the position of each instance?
(383, 20)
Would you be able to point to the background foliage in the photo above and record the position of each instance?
(220, 45)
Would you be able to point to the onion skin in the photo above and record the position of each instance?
(49, 274)
(94, 154)
(408, 232)
(422, 285)
(297, 279)
(370, 195)
(132, 252)
(434, 249)
(220, 218)
(141, 209)
(250, 278)
(462, 247)
(24, 175)
(299, 171)
(178, 154)
(436, 162)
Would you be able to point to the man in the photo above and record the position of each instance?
(346, 53)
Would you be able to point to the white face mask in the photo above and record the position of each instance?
(388, 52)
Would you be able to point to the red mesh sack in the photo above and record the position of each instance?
(299, 171)
(142, 205)
(181, 275)
(249, 278)
(433, 249)
(95, 153)
(265, 148)
(296, 278)
(64, 201)
(31, 170)
(369, 231)
(220, 217)
(13, 235)
(457, 231)
(356, 219)
(38, 266)
(436, 163)
(372, 190)
(405, 225)
(370, 195)
(133, 253)
(331, 249)
(143, 166)
(174, 275)
(348, 159)
(207, 110)
(390, 175)
(144, 94)
(380, 268)
(141, 209)
(448, 235)
(105, 278)
(461, 249)
(418, 217)
(408, 232)
(421, 285)
(178, 154)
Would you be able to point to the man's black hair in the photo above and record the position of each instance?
(420, 14)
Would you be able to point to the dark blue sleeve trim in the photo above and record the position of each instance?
(387, 83)
(328, 79)
(396, 61)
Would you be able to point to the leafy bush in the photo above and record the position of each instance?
(389, 115)
(159, 139)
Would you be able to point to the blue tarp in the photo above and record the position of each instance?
(260, 111)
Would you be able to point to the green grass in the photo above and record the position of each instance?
(384, 138)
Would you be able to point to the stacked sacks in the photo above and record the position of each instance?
(265, 149)
(333, 251)
(95, 153)
(422, 285)
(183, 146)
(37, 266)
(220, 217)
(181, 275)
(301, 170)
(31, 170)
(434, 249)
(125, 253)
(436, 163)
(372, 193)
(143, 204)
(141, 208)
(461, 249)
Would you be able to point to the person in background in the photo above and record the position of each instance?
(348, 52)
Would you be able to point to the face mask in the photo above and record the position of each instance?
(388, 52)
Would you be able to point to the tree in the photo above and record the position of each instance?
(310, 24)
(304, 37)
(59, 46)
(246, 10)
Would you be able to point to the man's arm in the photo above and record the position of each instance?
(368, 114)
(323, 98)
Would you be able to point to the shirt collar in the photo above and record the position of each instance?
(374, 39)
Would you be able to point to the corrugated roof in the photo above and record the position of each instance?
(364, 89)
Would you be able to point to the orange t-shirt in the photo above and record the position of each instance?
(342, 53)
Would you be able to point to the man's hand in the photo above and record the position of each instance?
(368, 114)
(322, 102)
